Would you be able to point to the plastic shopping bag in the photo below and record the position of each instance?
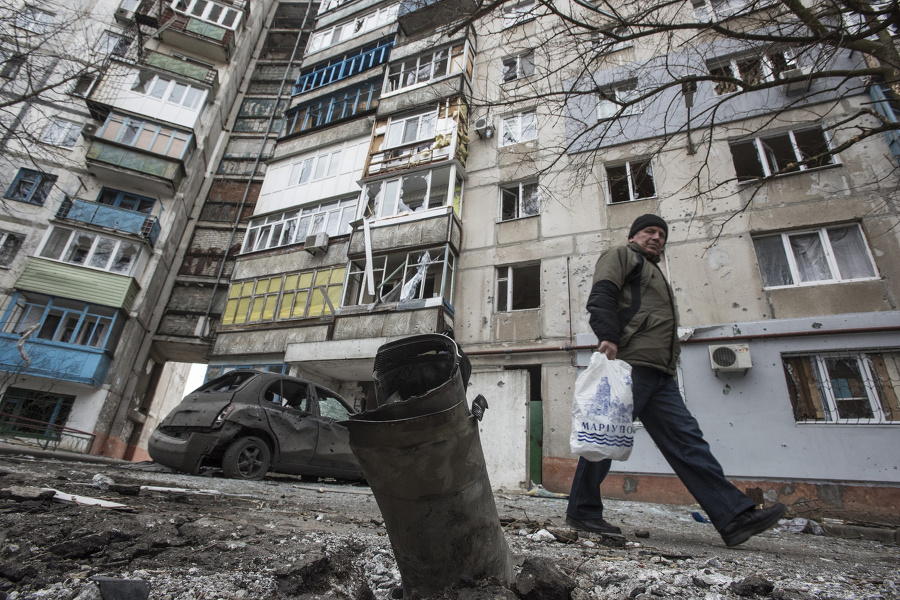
(602, 411)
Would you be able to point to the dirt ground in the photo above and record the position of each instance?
(211, 538)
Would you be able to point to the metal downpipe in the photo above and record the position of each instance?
(421, 453)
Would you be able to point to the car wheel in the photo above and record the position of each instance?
(247, 458)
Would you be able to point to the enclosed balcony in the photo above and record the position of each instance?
(148, 155)
(182, 68)
(343, 67)
(201, 27)
(413, 140)
(419, 16)
(110, 217)
(58, 339)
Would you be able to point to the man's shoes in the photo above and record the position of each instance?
(594, 526)
(750, 522)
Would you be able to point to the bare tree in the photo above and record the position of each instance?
(676, 75)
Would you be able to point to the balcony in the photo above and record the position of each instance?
(439, 226)
(181, 68)
(448, 143)
(63, 280)
(52, 360)
(205, 39)
(343, 68)
(419, 16)
(110, 217)
(148, 155)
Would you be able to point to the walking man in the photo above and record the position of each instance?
(632, 312)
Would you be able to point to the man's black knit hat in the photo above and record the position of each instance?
(647, 220)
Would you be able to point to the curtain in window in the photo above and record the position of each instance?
(806, 401)
(811, 262)
(850, 252)
(885, 368)
(773, 264)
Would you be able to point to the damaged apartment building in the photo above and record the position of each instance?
(384, 169)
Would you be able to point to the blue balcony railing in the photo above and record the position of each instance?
(110, 217)
(343, 68)
(53, 360)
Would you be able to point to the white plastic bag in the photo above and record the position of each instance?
(602, 410)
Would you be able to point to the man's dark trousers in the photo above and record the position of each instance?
(660, 407)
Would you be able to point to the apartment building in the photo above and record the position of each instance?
(115, 112)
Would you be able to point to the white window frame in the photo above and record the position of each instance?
(34, 19)
(341, 32)
(630, 166)
(399, 127)
(403, 274)
(113, 44)
(190, 9)
(517, 12)
(615, 100)
(62, 133)
(766, 157)
(519, 66)
(825, 384)
(427, 68)
(293, 226)
(164, 88)
(768, 71)
(518, 193)
(63, 253)
(826, 246)
(387, 199)
(506, 286)
(518, 128)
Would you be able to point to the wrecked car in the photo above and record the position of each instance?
(248, 422)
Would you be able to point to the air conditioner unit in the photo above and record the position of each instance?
(795, 87)
(124, 16)
(316, 244)
(89, 131)
(728, 358)
(484, 126)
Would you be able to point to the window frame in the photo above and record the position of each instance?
(12, 64)
(518, 194)
(187, 7)
(144, 86)
(819, 401)
(374, 199)
(506, 287)
(518, 12)
(40, 186)
(112, 43)
(737, 68)
(515, 126)
(57, 249)
(62, 133)
(522, 65)
(10, 244)
(287, 227)
(620, 93)
(31, 22)
(427, 68)
(425, 127)
(264, 300)
(26, 404)
(402, 272)
(826, 245)
(64, 322)
(764, 154)
(630, 178)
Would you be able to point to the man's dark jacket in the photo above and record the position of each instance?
(631, 305)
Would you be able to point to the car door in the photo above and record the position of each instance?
(333, 447)
(288, 403)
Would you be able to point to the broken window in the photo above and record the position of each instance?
(519, 200)
(62, 133)
(9, 246)
(293, 226)
(621, 100)
(325, 38)
(516, 13)
(409, 193)
(752, 70)
(90, 250)
(518, 128)
(63, 321)
(844, 387)
(518, 287)
(825, 255)
(113, 44)
(428, 67)
(34, 412)
(781, 153)
(30, 186)
(83, 86)
(630, 181)
(403, 277)
(295, 295)
(519, 66)
(126, 200)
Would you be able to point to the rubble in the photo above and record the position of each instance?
(280, 538)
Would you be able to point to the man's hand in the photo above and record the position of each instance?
(609, 349)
